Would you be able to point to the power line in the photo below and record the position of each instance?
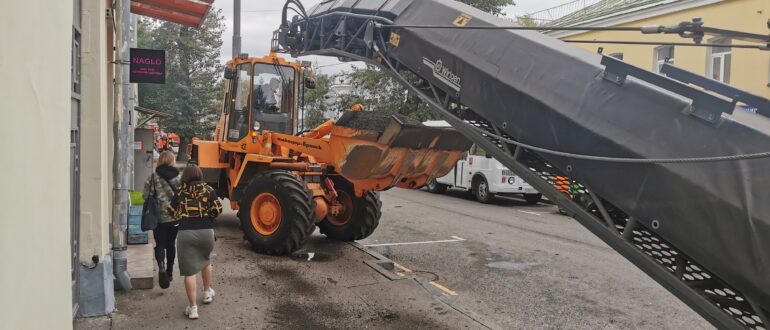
(262, 11)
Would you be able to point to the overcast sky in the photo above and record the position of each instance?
(261, 17)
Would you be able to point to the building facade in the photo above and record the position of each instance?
(39, 128)
(747, 69)
(57, 100)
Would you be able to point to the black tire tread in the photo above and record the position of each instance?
(475, 190)
(530, 198)
(439, 189)
(363, 225)
(302, 223)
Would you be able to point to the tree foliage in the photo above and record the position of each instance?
(193, 89)
(526, 20)
(494, 7)
(315, 103)
(379, 92)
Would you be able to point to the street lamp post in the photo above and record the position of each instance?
(236, 28)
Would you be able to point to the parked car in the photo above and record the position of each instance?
(482, 175)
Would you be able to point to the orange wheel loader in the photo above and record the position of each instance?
(284, 181)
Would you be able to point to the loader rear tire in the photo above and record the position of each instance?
(360, 219)
(277, 213)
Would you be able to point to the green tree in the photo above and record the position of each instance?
(315, 102)
(526, 20)
(379, 92)
(193, 89)
(494, 7)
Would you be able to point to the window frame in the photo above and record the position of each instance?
(293, 95)
(233, 110)
(657, 62)
(722, 55)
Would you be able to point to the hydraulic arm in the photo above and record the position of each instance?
(658, 169)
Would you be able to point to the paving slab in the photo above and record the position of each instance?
(327, 285)
(141, 264)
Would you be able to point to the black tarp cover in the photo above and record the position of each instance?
(549, 94)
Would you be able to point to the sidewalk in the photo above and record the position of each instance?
(337, 289)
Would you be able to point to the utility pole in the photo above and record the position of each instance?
(121, 175)
(236, 28)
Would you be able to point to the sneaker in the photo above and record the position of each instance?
(170, 275)
(191, 312)
(208, 296)
(163, 279)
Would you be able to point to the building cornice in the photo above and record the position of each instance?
(636, 14)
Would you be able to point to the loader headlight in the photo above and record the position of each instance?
(511, 180)
(256, 125)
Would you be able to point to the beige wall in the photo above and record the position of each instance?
(35, 287)
(95, 180)
(750, 68)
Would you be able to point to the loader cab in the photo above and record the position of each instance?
(260, 95)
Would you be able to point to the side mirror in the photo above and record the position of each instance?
(230, 73)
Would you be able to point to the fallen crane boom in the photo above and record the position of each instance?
(701, 230)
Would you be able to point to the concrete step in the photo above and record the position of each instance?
(141, 264)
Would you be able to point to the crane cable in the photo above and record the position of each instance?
(714, 159)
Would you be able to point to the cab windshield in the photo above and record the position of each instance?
(272, 98)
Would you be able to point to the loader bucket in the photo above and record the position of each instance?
(377, 151)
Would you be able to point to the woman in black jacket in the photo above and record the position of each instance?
(164, 182)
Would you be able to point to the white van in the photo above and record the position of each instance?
(482, 175)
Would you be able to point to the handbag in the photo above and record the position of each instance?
(151, 209)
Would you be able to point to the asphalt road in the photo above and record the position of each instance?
(459, 265)
(521, 266)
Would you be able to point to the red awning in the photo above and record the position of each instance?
(185, 12)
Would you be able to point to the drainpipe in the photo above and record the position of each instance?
(120, 167)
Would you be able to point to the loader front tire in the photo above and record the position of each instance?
(277, 213)
(359, 218)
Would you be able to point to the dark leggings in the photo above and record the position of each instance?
(165, 244)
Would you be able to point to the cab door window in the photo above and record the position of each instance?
(273, 98)
(238, 127)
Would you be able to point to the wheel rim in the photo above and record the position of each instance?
(265, 214)
(345, 203)
(482, 190)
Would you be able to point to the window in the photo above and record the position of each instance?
(273, 98)
(720, 61)
(239, 116)
(663, 55)
(617, 55)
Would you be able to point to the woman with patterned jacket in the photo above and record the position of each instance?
(195, 205)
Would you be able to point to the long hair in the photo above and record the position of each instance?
(192, 173)
(166, 158)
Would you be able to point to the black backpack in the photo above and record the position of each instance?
(151, 209)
